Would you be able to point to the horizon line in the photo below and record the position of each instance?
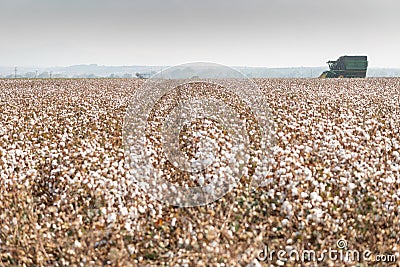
(168, 66)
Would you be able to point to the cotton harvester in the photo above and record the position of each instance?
(347, 67)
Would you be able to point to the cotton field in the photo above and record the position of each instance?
(68, 198)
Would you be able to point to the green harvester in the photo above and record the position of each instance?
(347, 67)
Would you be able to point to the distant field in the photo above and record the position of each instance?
(66, 197)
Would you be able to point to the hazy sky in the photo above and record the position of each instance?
(272, 33)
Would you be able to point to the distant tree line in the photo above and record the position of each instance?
(295, 72)
(46, 74)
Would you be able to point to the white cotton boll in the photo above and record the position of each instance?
(281, 171)
(173, 222)
(317, 215)
(308, 173)
(112, 217)
(308, 205)
(141, 209)
(201, 180)
(103, 210)
(124, 211)
(209, 189)
(280, 263)
(128, 226)
(389, 180)
(395, 168)
(294, 191)
(31, 172)
(131, 249)
(287, 207)
(352, 186)
(303, 194)
(164, 186)
(77, 244)
(315, 197)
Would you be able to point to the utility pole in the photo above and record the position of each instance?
(51, 74)
(15, 72)
(35, 74)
